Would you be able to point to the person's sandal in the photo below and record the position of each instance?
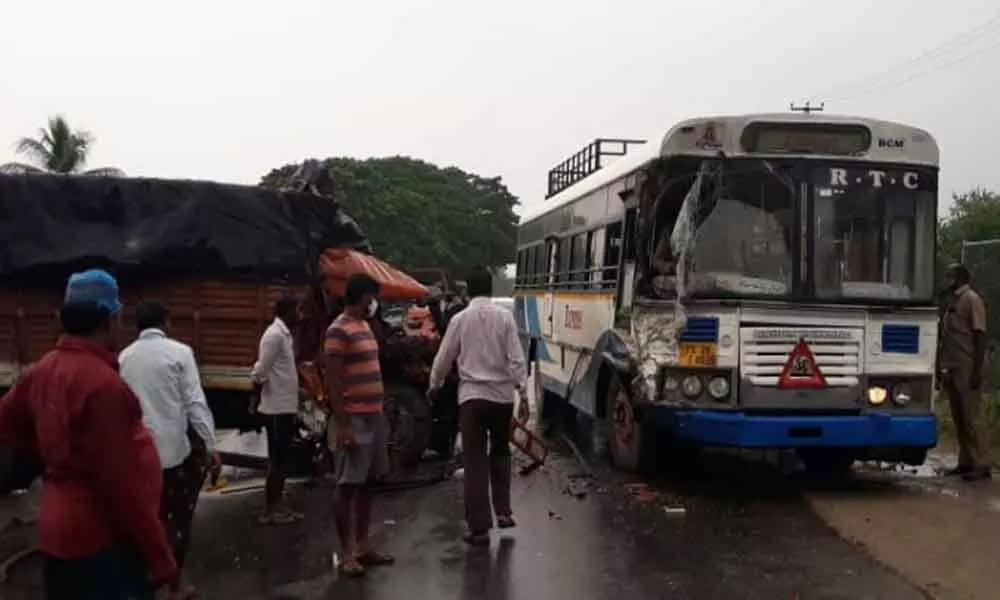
(352, 568)
(506, 522)
(291, 514)
(476, 539)
(374, 558)
(185, 594)
(275, 519)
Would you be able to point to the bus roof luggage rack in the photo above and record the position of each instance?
(586, 162)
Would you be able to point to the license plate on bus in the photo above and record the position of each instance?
(701, 354)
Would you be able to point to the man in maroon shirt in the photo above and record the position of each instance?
(99, 525)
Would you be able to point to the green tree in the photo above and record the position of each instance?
(420, 215)
(57, 149)
(974, 216)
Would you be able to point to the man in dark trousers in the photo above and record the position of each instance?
(483, 340)
(163, 373)
(99, 528)
(275, 397)
(961, 359)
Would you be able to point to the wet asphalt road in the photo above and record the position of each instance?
(746, 532)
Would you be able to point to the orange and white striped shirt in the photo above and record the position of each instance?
(353, 341)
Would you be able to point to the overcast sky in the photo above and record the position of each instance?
(226, 89)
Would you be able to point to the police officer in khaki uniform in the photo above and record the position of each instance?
(961, 361)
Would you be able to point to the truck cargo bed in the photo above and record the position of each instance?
(222, 322)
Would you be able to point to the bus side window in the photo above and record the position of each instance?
(612, 253)
(596, 260)
(565, 256)
(529, 267)
(549, 268)
(578, 262)
(522, 256)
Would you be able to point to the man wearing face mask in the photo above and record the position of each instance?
(961, 359)
(358, 431)
(276, 398)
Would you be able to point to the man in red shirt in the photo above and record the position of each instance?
(99, 525)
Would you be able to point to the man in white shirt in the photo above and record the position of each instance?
(483, 339)
(276, 398)
(164, 375)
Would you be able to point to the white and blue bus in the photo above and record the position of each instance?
(754, 281)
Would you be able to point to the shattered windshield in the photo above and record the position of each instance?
(734, 232)
(874, 233)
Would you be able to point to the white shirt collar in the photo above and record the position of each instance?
(282, 326)
(152, 332)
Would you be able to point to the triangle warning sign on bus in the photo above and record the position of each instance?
(801, 370)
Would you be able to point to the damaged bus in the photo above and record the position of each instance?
(756, 281)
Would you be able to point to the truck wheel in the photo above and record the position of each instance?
(627, 435)
(826, 462)
(409, 416)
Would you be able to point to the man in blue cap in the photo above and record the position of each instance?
(99, 526)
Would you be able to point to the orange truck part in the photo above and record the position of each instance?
(338, 264)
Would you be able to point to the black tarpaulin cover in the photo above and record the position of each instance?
(156, 227)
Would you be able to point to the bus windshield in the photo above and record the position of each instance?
(870, 231)
(736, 232)
(874, 233)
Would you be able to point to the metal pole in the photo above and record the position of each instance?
(967, 244)
(982, 242)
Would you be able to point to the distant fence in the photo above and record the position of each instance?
(982, 257)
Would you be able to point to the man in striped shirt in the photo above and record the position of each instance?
(358, 431)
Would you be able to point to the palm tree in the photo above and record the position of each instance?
(57, 149)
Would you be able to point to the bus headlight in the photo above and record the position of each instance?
(691, 386)
(670, 383)
(901, 394)
(877, 395)
(718, 388)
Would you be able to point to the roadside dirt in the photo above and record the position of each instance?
(940, 533)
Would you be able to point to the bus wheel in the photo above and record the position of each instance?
(826, 462)
(626, 438)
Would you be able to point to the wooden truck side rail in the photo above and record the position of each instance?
(222, 322)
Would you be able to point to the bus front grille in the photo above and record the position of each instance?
(764, 351)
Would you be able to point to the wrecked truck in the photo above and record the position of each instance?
(218, 256)
(755, 281)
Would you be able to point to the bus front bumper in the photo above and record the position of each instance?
(744, 430)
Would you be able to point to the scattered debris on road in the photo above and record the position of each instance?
(587, 471)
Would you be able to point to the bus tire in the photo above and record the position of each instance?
(628, 437)
(826, 462)
(410, 423)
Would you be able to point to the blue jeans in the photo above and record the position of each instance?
(112, 574)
